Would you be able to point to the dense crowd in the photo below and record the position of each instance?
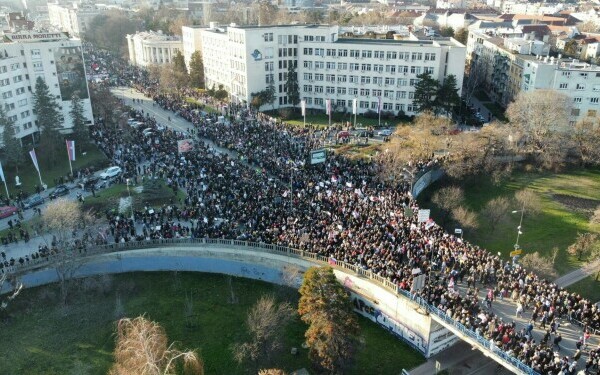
(254, 182)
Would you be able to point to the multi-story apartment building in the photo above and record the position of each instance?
(246, 60)
(52, 56)
(152, 48)
(72, 18)
(191, 40)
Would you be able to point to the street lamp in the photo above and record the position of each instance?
(130, 200)
(519, 233)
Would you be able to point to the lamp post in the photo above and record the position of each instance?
(130, 201)
(522, 210)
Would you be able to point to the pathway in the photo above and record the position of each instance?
(578, 274)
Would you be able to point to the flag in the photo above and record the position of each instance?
(328, 106)
(71, 150)
(2, 173)
(354, 106)
(34, 159)
(332, 261)
(303, 107)
(379, 104)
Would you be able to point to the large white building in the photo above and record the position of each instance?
(246, 59)
(191, 39)
(152, 48)
(72, 18)
(54, 57)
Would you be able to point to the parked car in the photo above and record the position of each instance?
(32, 201)
(59, 191)
(385, 132)
(7, 211)
(110, 173)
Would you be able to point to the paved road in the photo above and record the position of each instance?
(578, 274)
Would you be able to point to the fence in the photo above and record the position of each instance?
(450, 323)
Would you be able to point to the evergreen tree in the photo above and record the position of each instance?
(180, 71)
(80, 130)
(13, 152)
(293, 91)
(333, 329)
(49, 120)
(197, 70)
(425, 91)
(270, 94)
(462, 35)
(447, 96)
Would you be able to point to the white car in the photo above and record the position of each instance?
(110, 173)
(385, 132)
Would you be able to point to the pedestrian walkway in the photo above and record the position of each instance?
(578, 274)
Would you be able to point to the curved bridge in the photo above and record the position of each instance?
(425, 327)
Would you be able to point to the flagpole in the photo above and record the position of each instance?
(40, 176)
(70, 165)
(6, 188)
(379, 111)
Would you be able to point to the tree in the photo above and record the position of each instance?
(585, 138)
(325, 306)
(447, 31)
(539, 264)
(465, 217)
(142, 348)
(62, 218)
(49, 119)
(496, 210)
(12, 150)
(270, 94)
(425, 91)
(108, 31)
(447, 97)
(540, 121)
(8, 297)
(583, 245)
(528, 200)
(462, 35)
(448, 197)
(475, 76)
(571, 47)
(595, 219)
(292, 89)
(80, 131)
(266, 323)
(197, 70)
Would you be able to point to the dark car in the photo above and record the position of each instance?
(32, 201)
(59, 191)
(90, 182)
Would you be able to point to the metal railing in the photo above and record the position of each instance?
(443, 318)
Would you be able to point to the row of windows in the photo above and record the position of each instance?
(581, 74)
(340, 104)
(363, 80)
(389, 94)
(578, 99)
(368, 54)
(380, 68)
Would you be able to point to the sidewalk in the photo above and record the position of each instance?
(578, 274)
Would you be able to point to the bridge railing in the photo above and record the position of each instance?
(49, 261)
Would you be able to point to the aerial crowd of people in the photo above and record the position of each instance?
(251, 179)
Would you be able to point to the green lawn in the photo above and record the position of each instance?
(588, 287)
(43, 338)
(207, 108)
(93, 158)
(557, 224)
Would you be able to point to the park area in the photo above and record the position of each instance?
(566, 201)
(206, 312)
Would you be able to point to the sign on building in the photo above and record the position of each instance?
(318, 156)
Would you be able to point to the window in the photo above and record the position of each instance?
(591, 113)
(14, 66)
(24, 114)
(330, 77)
(566, 74)
(388, 94)
(413, 82)
(318, 101)
(365, 67)
(13, 118)
(390, 69)
(341, 78)
(330, 65)
(415, 69)
(428, 69)
(575, 112)
(402, 82)
(308, 64)
(391, 55)
(378, 68)
(318, 90)
(342, 66)
(417, 56)
(378, 80)
(366, 54)
(341, 90)
(318, 77)
(402, 68)
(319, 52)
(269, 78)
(430, 57)
(580, 86)
(20, 90)
(22, 102)
(268, 66)
(308, 51)
(319, 65)
(365, 80)
(308, 76)
(307, 88)
(268, 37)
(353, 79)
(354, 53)
(365, 92)
(3, 69)
(363, 104)
(400, 94)
(341, 103)
(353, 91)
(379, 55)
(4, 82)
(330, 90)
(376, 92)
(577, 100)
(389, 81)
(584, 75)
(342, 53)
(594, 100)
(331, 52)
(354, 66)
(38, 66)
(35, 53)
(6, 95)
(400, 107)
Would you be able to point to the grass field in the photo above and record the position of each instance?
(558, 223)
(587, 287)
(43, 338)
(29, 176)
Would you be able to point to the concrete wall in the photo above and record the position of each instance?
(425, 180)
(397, 314)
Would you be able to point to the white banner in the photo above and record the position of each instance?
(354, 106)
(303, 107)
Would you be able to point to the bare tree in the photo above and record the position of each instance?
(17, 288)
(528, 200)
(544, 267)
(474, 79)
(465, 217)
(142, 348)
(265, 323)
(541, 117)
(496, 210)
(585, 138)
(583, 245)
(587, 27)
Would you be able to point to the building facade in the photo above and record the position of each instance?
(152, 48)
(55, 58)
(71, 18)
(191, 40)
(246, 60)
